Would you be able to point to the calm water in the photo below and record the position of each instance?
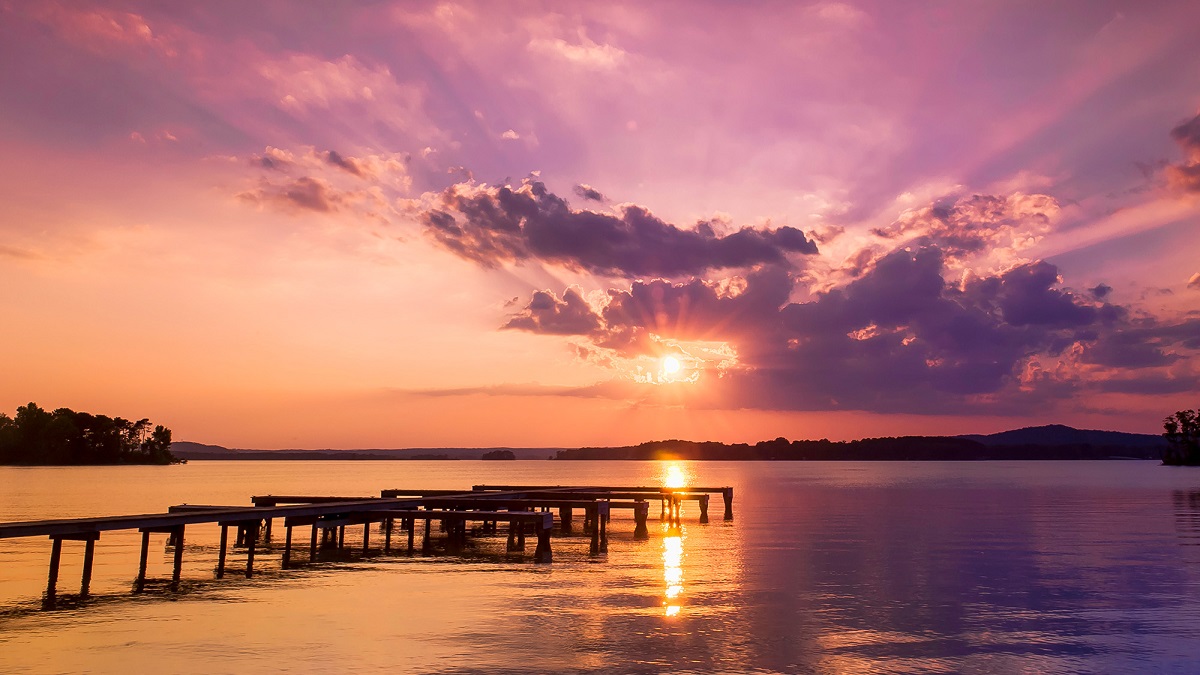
(991, 567)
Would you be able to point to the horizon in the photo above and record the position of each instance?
(460, 225)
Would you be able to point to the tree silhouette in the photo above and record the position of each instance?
(35, 436)
(1182, 431)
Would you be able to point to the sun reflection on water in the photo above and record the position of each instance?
(673, 571)
(674, 475)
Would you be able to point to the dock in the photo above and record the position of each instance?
(536, 510)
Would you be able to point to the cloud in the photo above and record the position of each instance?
(546, 314)
(510, 135)
(1185, 177)
(901, 338)
(1194, 282)
(588, 192)
(586, 54)
(496, 225)
(977, 224)
(302, 194)
(1100, 291)
(347, 164)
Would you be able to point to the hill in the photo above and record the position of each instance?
(1058, 434)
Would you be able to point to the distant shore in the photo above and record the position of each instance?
(1052, 442)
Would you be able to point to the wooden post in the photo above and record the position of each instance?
(221, 553)
(387, 535)
(512, 536)
(85, 583)
(251, 540)
(341, 536)
(542, 553)
(604, 533)
(267, 535)
(425, 540)
(287, 545)
(641, 512)
(704, 508)
(520, 536)
(366, 537)
(412, 527)
(312, 545)
(52, 582)
(178, 558)
(141, 578)
(593, 514)
(727, 495)
(564, 516)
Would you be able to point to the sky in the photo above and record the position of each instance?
(433, 224)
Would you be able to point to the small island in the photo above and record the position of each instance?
(65, 437)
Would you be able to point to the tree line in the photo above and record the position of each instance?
(64, 436)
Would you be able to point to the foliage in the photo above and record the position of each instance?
(500, 454)
(35, 436)
(1182, 431)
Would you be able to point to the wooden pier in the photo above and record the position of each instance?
(525, 509)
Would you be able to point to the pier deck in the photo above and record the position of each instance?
(521, 507)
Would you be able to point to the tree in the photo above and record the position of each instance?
(1182, 431)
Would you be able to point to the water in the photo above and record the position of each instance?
(990, 567)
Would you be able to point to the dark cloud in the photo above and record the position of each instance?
(305, 194)
(589, 192)
(1100, 291)
(347, 164)
(545, 313)
(1185, 177)
(1187, 135)
(898, 339)
(496, 225)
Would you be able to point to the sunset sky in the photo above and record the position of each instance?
(385, 224)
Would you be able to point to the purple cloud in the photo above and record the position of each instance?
(899, 339)
(496, 225)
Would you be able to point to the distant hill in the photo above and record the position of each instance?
(1053, 441)
(190, 450)
(1058, 434)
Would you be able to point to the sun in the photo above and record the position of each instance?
(670, 365)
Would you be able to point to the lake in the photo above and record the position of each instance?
(828, 567)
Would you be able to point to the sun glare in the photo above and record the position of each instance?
(670, 365)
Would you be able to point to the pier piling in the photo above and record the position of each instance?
(52, 581)
(141, 577)
(641, 513)
(178, 567)
(85, 583)
(221, 552)
(287, 546)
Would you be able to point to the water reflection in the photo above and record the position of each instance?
(674, 475)
(1187, 515)
(672, 556)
